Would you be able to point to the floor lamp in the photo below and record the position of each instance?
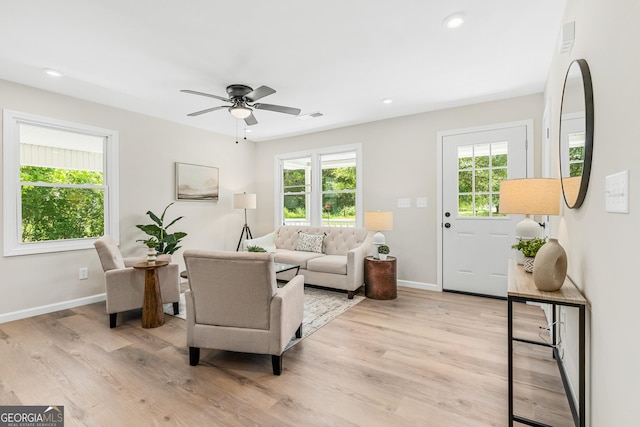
(244, 201)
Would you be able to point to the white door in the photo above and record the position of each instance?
(476, 238)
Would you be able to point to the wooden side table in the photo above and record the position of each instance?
(380, 278)
(152, 314)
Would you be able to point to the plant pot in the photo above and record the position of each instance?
(383, 256)
(528, 264)
(151, 255)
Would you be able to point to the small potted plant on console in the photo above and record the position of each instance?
(529, 249)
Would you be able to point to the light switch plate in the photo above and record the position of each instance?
(421, 202)
(404, 203)
(617, 192)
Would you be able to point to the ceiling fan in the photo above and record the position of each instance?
(243, 100)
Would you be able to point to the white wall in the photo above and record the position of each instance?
(399, 161)
(602, 247)
(149, 148)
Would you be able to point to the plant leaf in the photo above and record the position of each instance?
(172, 222)
(155, 218)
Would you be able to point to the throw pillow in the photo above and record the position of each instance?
(310, 242)
(268, 242)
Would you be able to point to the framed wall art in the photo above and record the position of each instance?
(197, 182)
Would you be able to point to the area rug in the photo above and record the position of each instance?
(321, 306)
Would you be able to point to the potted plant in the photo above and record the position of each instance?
(167, 243)
(383, 251)
(529, 249)
(256, 249)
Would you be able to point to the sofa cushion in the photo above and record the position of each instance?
(266, 242)
(335, 264)
(310, 242)
(295, 257)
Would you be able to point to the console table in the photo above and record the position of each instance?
(522, 289)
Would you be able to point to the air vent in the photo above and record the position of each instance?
(308, 116)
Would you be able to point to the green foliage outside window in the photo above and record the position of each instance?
(335, 204)
(576, 160)
(60, 213)
(481, 169)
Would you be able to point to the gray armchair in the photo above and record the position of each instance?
(125, 285)
(234, 304)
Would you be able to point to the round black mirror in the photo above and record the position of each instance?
(576, 133)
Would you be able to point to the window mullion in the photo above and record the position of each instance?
(316, 190)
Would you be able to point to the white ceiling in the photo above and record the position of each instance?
(338, 57)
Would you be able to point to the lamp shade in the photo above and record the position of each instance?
(531, 196)
(244, 201)
(378, 220)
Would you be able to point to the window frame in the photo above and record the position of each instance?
(11, 192)
(316, 193)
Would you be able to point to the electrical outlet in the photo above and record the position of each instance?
(83, 273)
(404, 203)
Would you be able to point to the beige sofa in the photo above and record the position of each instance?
(340, 264)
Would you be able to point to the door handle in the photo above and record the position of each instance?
(447, 225)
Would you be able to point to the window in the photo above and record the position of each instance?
(320, 188)
(60, 184)
(576, 153)
(481, 168)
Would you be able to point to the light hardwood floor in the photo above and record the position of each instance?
(424, 359)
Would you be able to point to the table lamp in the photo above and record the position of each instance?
(378, 221)
(244, 201)
(530, 196)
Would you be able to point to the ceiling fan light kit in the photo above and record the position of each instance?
(243, 99)
(240, 111)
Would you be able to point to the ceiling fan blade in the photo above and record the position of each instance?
(193, 92)
(251, 120)
(261, 92)
(208, 110)
(277, 108)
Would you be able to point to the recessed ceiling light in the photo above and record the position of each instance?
(248, 130)
(53, 73)
(454, 21)
(386, 100)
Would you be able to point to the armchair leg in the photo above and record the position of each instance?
(276, 362)
(194, 355)
(112, 320)
(299, 331)
(350, 294)
(176, 308)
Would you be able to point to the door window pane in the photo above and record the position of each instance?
(482, 180)
(481, 168)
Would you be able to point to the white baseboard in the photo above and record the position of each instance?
(50, 308)
(419, 285)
